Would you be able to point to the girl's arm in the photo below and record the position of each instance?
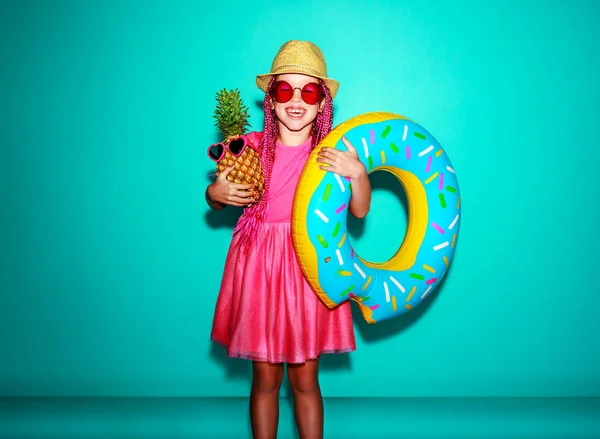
(360, 201)
(347, 164)
(214, 205)
(223, 192)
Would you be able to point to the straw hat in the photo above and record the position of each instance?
(299, 57)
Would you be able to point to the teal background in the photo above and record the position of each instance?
(110, 260)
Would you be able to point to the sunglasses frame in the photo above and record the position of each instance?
(319, 88)
(225, 148)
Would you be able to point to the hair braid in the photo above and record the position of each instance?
(253, 217)
(324, 121)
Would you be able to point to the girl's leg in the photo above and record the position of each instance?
(264, 399)
(308, 403)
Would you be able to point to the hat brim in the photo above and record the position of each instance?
(263, 81)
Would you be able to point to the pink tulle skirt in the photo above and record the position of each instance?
(266, 311)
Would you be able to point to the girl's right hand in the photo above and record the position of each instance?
(233, 194)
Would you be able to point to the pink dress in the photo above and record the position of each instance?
(266, 311)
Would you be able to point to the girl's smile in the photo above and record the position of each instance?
(295, 112)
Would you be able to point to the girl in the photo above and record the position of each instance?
(266, 311)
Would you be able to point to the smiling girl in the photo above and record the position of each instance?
(266, 312)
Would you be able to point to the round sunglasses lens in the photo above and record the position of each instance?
(282, 92)
(236, 146)
(215, 151)
(311, 93)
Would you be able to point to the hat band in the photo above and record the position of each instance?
(312, 72)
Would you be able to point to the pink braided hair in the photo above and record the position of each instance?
(251, 221)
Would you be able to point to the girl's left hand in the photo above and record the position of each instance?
(343, 163)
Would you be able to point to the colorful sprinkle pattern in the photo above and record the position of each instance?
(383, 294)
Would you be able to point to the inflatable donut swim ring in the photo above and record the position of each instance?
(393, 143)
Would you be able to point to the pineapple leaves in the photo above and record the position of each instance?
(231, 114)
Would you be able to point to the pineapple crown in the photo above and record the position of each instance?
(231, 114)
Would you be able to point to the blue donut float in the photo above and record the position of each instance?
(383, 290)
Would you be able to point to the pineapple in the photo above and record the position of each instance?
(232, 121)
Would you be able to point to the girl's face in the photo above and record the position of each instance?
(296, 115)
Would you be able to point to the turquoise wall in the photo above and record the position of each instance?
(110, 260)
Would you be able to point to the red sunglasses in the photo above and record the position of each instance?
(235, 147)
(283, 92)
